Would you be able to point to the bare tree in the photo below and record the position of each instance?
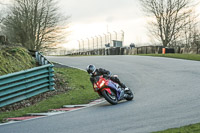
(189, 31)
(1, 18)
(195, 37)
(36, 24)
(168, 18)
(1, 12)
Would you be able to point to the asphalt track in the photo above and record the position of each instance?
(167, 93)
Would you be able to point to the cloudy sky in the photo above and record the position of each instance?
(91, 18)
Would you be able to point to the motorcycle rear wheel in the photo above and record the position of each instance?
(111, 98)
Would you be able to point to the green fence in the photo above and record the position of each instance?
(25, 84)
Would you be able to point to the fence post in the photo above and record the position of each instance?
(36, 56)
(51, 79)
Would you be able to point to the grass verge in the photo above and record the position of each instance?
(80, 92)
(195, 57)
(195, 128)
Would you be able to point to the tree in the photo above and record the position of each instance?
(190, 31)
(168, 18)
(1, 18)
(195, 37)
(36, 24)
(1, 12)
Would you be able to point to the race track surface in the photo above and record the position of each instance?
(167, 93)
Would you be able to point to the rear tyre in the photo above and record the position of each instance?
(111, 98)
(130, 95)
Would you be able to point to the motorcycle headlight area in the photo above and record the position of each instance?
(102, 84)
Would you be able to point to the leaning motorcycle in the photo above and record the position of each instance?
(111, 91)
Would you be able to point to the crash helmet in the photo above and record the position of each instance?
(91, 69)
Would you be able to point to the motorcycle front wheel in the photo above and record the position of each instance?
(111, 98)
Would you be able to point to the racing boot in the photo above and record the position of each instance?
(126, 89)
(125, 96)
(122, 85)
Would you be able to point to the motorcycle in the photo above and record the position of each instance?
(111, 91)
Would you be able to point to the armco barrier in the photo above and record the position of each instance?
(41, 59)
(21, 85)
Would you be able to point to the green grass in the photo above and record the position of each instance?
(14, 59)
(195, 57)
(195, 128)
(81, 92)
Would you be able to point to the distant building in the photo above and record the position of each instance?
(117, 43)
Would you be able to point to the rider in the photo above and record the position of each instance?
(91, 69)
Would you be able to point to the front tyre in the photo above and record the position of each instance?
(111, 98)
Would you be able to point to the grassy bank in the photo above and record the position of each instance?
(195, 128)
(195, 57)
(80, 92)
(14, 59)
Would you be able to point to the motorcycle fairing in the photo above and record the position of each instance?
(108, 90)
(113, 86)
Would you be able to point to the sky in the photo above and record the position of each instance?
(91, 18)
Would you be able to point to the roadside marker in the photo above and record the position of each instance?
(65, 109)
(44, 114)
(22, 118)
(163, 50)
(74, 106)
(56, 111)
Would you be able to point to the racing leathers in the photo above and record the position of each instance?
(106, 74)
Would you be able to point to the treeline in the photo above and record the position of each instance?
(38, 24)
(34, 24)
(173, 22)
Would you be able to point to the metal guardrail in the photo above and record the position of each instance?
(21, 85)
(41, 59)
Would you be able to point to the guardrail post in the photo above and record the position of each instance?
(46, 62)
(36, 56)
(51, 79)
(42, 60)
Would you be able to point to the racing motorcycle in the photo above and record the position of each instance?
(111, 91)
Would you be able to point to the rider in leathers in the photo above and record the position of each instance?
(91, 69)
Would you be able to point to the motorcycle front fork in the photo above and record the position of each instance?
(121, 94)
